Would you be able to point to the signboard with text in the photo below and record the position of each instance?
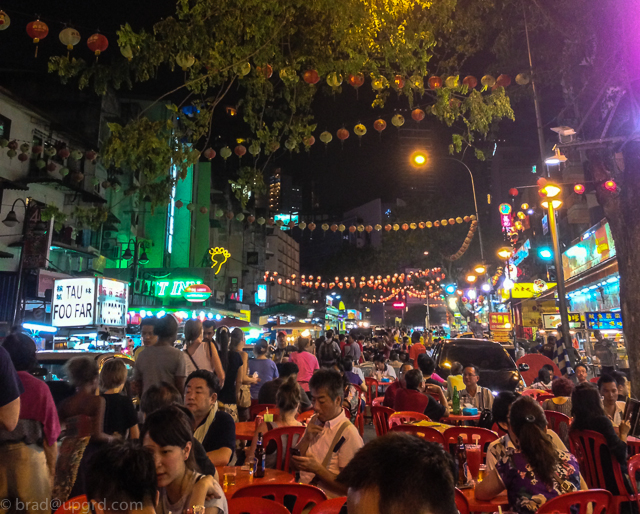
(500, 321)
(604, 320)
(112, 302)
(73, 302)
(552, 320)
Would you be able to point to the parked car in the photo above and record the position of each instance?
(498, 372)
(52, 368)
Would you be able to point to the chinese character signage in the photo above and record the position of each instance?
(604, 320)
(500, 321)
(112, 303)
(551, 321)
(73, 302)
(528, 289)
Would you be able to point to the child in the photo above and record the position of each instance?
(120, 417)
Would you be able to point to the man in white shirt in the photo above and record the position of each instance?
(382, 369)
(473, 394)
(330, 440)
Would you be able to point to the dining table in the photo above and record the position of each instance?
(245, 430)
(459, 419)
(485, 505)
(244, 478)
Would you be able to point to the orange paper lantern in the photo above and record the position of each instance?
(97, 43)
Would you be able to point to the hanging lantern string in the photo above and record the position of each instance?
(29, 17)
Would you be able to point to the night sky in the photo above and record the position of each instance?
(343, 177)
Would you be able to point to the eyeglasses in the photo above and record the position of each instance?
(466, 375)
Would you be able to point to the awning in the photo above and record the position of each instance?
(601, 271)
(5, 183)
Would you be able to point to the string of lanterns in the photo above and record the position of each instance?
(466, 243)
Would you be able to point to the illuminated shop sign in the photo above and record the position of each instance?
(173, 288)
(219, 256)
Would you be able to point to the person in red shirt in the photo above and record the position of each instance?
(412, 397)
(342, 341)
(417, 348)
(390, 393)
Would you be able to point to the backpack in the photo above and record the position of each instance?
(328, 353)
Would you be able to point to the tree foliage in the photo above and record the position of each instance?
(235, 45)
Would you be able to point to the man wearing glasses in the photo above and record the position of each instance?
(473, 394)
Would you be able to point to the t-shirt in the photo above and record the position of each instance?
(353, 351)
(157, 364)
(268, 393)
(415, 401)
(525, 490)
(353, 378)
(36, 403)
(415, 350)
(119, 414)
(390, 395)
(267, 371)
(482, 400)
(184, 503)
(307, 364)
(228, 392)
(10, 386)
(201, 359)
(221, 433)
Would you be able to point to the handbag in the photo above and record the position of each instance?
(244, 397)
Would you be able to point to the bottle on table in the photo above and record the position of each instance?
(455, 401)
(461, 456)
(260, 458)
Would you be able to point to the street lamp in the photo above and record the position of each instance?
(557, 157)
(419, 159)
(471, 278)
(480, 269)
(549, 193)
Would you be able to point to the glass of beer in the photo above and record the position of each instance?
(229, 476)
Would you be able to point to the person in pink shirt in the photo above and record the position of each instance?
(28, 453)
(306, 361)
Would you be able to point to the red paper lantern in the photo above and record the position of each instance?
(91, 155)
(343, 134)
(417, 115)
(63, 153)
(352, 229)
(309, 141)
(380, 125)
(37, 30)
(435, 82)
(97, 43)
(311, 77)
(356, 80)
(240, 150)
(470, 81)
(398, 80)
(513, 192)
(503, 80)
(610, 185)
(265, 70)
(579, 189)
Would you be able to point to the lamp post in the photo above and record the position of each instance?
(137, 260)
(505, 255)
(551, 202)
(11, 221)
(419, 160)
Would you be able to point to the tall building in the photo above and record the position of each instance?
(283, 257)
(275, 190)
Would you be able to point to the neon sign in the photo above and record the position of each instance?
(196, 293)
(173, 288)
(219, 256)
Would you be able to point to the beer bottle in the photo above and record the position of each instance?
(461, 456)
(260, 457)
(455, 401)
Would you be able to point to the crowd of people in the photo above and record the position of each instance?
(162, 456)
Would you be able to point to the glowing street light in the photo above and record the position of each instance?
(471, 278)
(550, 190)
(545, 254)
(419, 158)
(504, 253)
(557, 157)
(480, 269)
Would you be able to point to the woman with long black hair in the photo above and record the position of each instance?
(535, 471)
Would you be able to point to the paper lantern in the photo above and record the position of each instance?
(352, 229)
(417, 115)
(405, 226)
(388, 227)
(579, 189)
(355, 80)
(225, 153)
(326, 137)
(209, 153)
(513, 192)
(368, 228)
(63, 153)
(302, 225)
(334, 79)
(334, 227)
(97, 43)
(203, 210)
(444, 223)
(488, 81)
(266, 71)
(312, 226)
(421, 225)
(610, 185)
(69, 37)
(261, 221)
(309, 141)
(522, 79)
(503, 80)
(451, 81)
(251, 218)
(398, 81)
(413, 226)
(435, 82)
(325, 226)
(379, 125)
(179, 204)
(466, 219)
(91, 155)
(126, 52)
(23, 157)
(185, 60)
(378, 227)
(5, 21)
(37, 31)
(470, 81)
(360, 130)
(311, 77)
(244, 69)
(343, 134)
(416, 81)
(396, 227)
(397, 120)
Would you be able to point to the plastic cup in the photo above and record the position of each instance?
(474, 459)
(229, 476)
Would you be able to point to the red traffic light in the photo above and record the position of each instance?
(610, 185)
(579, 189)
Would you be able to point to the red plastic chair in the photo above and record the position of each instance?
(537, 394)
(470, 435)
(347, 413)
(75, 505)
(372, 390)
(582, 441)
(378, 402)
(332, 506)
(426, 433)
(305, 416)
(256, 409)
(462, 504)
(404, 417)
(255, 506)
(289, 434)
(633, 465)
(601, 499)
(359, 423)
(496, 428)
(535, 361)
(381, 417)
(303, 493)
(556, 419)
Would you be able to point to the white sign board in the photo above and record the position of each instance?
(73, 303)
(112, 304)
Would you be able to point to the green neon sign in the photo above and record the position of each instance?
(173, 288)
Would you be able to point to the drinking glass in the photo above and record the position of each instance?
(229, 476)
(474, 459)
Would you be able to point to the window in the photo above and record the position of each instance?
(5, 127)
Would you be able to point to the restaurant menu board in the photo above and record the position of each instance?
(604, 320)
(551, 321)
(112, 303)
